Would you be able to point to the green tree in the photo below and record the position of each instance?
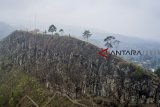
(52, 29)
(86, 34)
(116, 43)
(61, 31)
(110, 42)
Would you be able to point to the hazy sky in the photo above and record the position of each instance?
(129, 17)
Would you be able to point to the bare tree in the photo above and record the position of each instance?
(86, 34)
(61, 31)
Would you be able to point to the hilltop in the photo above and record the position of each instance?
(40, 65)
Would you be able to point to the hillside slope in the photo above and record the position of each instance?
(72, 68)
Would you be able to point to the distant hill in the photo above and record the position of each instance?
(126, 43)
(150, 61)
(34, 66)
(5, 30)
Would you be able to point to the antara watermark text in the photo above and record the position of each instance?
(125, 52)
(105, 52)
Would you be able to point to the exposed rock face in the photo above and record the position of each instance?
(73, 67)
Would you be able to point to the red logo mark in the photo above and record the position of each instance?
(104, 53)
